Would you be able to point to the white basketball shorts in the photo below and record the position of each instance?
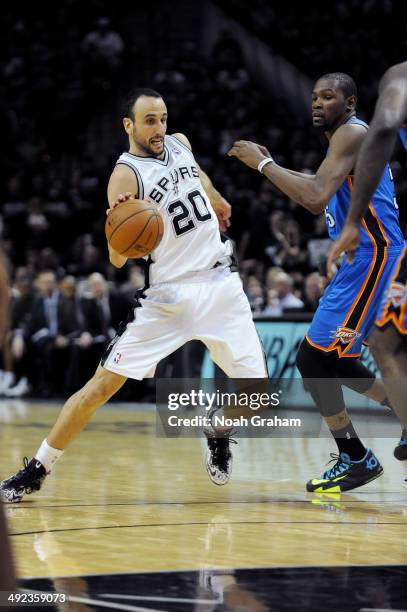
(211, 307)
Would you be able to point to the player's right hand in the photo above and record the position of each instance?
(120, 198)
(348, 241)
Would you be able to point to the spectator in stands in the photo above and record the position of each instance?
(280, 298)
(255, 294)
(103, 50)
(293, 255)
(37, 222)
(135, 282)
(319, 244)
(312, 291)
(14, 381)
(271, 275)
(52, 330)
(103, 309)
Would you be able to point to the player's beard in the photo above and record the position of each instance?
(145, 147)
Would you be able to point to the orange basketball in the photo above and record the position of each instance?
(134, 228)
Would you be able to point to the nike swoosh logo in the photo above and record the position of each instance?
(316, 481)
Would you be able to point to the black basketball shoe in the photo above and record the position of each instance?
(25, 482)
(346, 474)
(400, 452)
(219, 458)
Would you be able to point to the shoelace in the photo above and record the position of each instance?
(25, 464)
(19, 473)
(339, 467)
(218, 447)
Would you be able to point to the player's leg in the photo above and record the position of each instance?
(152, 332)
(226, 327)
(389, 348)
(355, 465)
(7, 576)
(388, 343)
(72, 419)
(355, 375)
(342, 321)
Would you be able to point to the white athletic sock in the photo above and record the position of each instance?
(47, 455)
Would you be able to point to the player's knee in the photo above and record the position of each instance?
(308, 360)
(100, 389)
(377, 346)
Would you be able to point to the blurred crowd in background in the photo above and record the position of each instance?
(62, 79)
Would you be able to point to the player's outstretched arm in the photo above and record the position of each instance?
(312, 192)
(390, 113)
(221, 206)
(122, 184)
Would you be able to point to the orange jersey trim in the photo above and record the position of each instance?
(330, 349)
(391, 317)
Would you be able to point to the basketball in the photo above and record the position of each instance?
(134, 228)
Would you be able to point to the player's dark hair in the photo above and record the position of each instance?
(345, 82)
(132, 97)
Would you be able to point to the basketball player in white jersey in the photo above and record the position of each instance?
(193, 290)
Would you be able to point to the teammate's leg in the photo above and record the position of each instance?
(389, 348)
(356, 465)
(355, 375)
(388, 342)
(72, 419)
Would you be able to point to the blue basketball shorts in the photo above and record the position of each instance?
(393, 309)
(350, 304)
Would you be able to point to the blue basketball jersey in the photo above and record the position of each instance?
(380, 226)
(403, 136)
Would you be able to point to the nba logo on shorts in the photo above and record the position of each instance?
(117, 358)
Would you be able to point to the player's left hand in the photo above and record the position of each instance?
(348, 241)
(249, 153)
(223, 211)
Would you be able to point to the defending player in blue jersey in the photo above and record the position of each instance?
(348, 308)
(388, 340)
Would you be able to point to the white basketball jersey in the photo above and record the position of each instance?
(191, 240)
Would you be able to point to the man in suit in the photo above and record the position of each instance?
(104, 309)
(53, 328)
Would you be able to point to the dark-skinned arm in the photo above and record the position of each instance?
(390, 113)
(313, 192)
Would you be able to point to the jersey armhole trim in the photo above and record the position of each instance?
(138, 178)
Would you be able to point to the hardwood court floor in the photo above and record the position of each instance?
(122, 500)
